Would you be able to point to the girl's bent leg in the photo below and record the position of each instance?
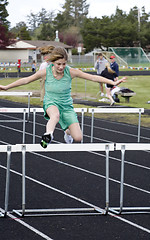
(76, 132)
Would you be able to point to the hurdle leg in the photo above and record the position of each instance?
(34, 113)
(107, 179)
(23, 179)
(92, 125)
(82, 123)
(24, 123)
(28, 106)
(122, 177)
(139, 125)
(7, 179)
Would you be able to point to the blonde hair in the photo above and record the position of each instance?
(107, 65)
(58, 53)
(46, 50)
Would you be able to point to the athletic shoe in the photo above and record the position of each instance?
(46, 139)
(68, 139)
(102, 94)
(112, 104)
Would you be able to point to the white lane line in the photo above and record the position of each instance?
(83, 201)
(130, 223)
(27, 225)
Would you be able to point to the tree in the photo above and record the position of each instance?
(21, 31)
(3, 13)
(72, 36)
(6, 38)
(79, 11)
(75, 11)
(47, 32)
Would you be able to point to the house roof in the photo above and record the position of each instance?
(29, 44)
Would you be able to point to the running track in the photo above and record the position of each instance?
(80, 175)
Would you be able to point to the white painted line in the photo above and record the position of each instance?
(27, 225)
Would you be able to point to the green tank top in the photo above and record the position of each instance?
(58, 90)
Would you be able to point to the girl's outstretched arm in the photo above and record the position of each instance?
(26, 80)
(94, 78)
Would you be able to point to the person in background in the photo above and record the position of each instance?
(100, 66)
(114, 66)
(33, 66)
(58, 103)
(19, 65)
(45, 52)
(110, 74)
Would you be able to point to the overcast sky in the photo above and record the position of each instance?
(19, 9)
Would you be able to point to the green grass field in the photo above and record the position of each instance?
(139, 84)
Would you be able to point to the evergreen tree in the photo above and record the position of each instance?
(21, 31)
(47, 32)
(3, 13)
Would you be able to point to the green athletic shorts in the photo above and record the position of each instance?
(67, 114)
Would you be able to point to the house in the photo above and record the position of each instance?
(28, 50)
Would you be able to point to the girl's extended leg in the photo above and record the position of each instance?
(53, 114)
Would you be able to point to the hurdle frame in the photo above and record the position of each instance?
(116, 110)
(121, 209)
(29, 94)
(38, 110)
(23, 148)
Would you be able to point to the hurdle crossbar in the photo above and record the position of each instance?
(23, 148)
(116, 110)
(128, 147)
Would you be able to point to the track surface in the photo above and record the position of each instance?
(80, 175)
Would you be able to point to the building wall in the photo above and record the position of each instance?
(14, 55)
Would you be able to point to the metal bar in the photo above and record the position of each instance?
(139, 125)
(122, 177)
(34, 113)
(23, 179)
(7, 179)
(28, 106)
(107, 178)
(92, 125)
(24, 120)
(82, 123)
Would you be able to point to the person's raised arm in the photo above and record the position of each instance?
(25, 80)
(95, 78)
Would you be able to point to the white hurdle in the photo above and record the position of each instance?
(77, 110)
(23, 148)
(116, 110)
(34, 111)
(128, 147)
(29, 94)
